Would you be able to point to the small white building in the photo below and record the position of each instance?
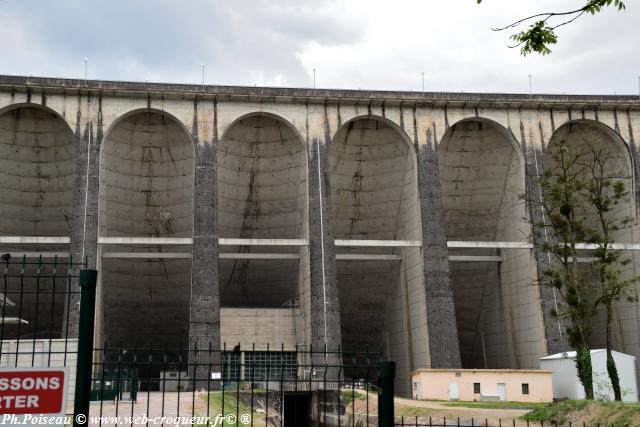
(567, 385)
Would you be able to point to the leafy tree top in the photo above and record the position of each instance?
(541, 34)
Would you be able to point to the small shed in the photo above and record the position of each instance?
(567, 385)
(515, 385)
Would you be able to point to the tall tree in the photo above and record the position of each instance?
(605, 189)
(561, 185)
(541, 33)
(583, 189)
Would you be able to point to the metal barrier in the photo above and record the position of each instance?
(36, 300)
(254, 386)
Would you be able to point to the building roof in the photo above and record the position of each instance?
(498, 371)
(572, 354)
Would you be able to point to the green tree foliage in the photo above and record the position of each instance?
(561, 187)
(582, 192)
(541, 33)
(604, 191)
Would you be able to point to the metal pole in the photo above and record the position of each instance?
(423, 81)
(386, 374)
(530, 86)
(88, 280)
(314, 78)
(86, 60)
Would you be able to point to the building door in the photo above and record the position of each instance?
(502, 392)
(453, 391)
(416, 390)
(297, 410)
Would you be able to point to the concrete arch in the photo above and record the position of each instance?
(577, 135)
(394, 133)
(262, 193)
(123, 116)
(38, 153)
(47, 108)
(147, 176)
(387, 121)
(482, 174)
(495, 138)
(37, 195)
(268, 114)
(506, 133)
(187, 170)
(607, 131)
(374, 195)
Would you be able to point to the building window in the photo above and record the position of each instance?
(525, 388)
(263, 365)
(476, 388)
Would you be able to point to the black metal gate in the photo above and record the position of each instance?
(42, 299)
(267, 387)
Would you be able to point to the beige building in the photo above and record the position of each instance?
(516, 385)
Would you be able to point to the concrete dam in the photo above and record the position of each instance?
(390, 221)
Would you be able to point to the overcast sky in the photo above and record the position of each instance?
(366, 44)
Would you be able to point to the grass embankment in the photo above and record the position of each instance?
(237, 404)
(588, 412)
(348, 396)
(495, 405)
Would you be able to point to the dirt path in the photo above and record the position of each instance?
(408, 409)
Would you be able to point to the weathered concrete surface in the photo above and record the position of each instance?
(482, 174)
(298, 194)
(147, 190)
(324, 304)
(443, 336)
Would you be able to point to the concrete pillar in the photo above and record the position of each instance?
(84, 219)
(204, 321)
(325, 304)
(534, 166)
(441, 315)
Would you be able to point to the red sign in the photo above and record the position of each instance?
(32, 391)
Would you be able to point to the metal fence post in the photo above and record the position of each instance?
(386, 375)
(88, 280)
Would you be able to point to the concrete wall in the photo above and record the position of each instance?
(275, 327)
(434, 384)
(479, 187)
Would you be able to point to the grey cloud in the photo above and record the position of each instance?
(169, 39)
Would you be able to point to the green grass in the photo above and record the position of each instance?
(233, 405)
(348, 396)
(412, 411)
(496, 405)
(605, 413)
